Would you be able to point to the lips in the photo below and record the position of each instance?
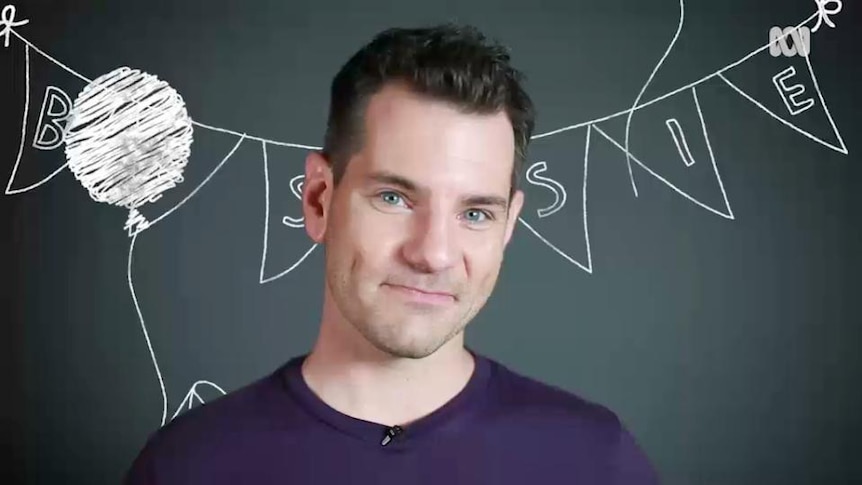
(421, 294)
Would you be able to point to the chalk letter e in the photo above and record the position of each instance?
(791, 94)
(50, 129)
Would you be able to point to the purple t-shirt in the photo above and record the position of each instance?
(502, 428)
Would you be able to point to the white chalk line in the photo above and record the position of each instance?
(589, 267)
(9, 190)
(262, 279)
(823, 103)
(643, 89)
(197, 123)
(841, 149)
(189, 401)
(134, 238)
(153, 358)
(535, 136)
(663, 96)
(200, 186)
(728, 214)
(146, 333)
(257, 138)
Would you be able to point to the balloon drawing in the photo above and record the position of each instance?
(128, 140)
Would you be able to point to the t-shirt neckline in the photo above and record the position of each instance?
(451, 416)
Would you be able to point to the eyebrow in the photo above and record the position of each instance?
(409, 185)
(393, 179)
(501, 203)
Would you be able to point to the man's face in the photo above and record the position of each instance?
(415, 232)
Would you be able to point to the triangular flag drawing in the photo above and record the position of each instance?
(669, 134)
(193, 398)
(213, 150)
(285, 244)
(787, 90)
(48, 92)
(670, 141)
(555, 207)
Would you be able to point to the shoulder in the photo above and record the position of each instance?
(250, 406)
(577, 430)
(215, 429)
(519, 394)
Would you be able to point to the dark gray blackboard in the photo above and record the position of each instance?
(723, 328)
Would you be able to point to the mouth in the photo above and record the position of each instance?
(420, 295)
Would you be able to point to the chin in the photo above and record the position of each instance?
(408, 352)
(409, 337)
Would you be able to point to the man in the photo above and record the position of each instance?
(414, 199)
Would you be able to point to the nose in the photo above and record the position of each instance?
(432, 246)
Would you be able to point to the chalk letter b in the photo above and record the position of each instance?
(50, 130)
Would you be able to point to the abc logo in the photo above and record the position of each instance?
(789, 41)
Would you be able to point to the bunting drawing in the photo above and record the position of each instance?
(126, 136)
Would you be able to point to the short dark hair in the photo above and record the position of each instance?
(446, 62)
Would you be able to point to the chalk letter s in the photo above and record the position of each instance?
(559, 191)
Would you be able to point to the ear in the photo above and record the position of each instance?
(515, 207)
(316, 195)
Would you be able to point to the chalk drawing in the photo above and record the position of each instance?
(534, 177)
(128, 139)
(128, 136)
(296, 189)
(588, 266)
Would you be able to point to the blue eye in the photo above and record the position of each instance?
(391, 198)
(476, 215)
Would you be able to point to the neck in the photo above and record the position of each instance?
(359, 380)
